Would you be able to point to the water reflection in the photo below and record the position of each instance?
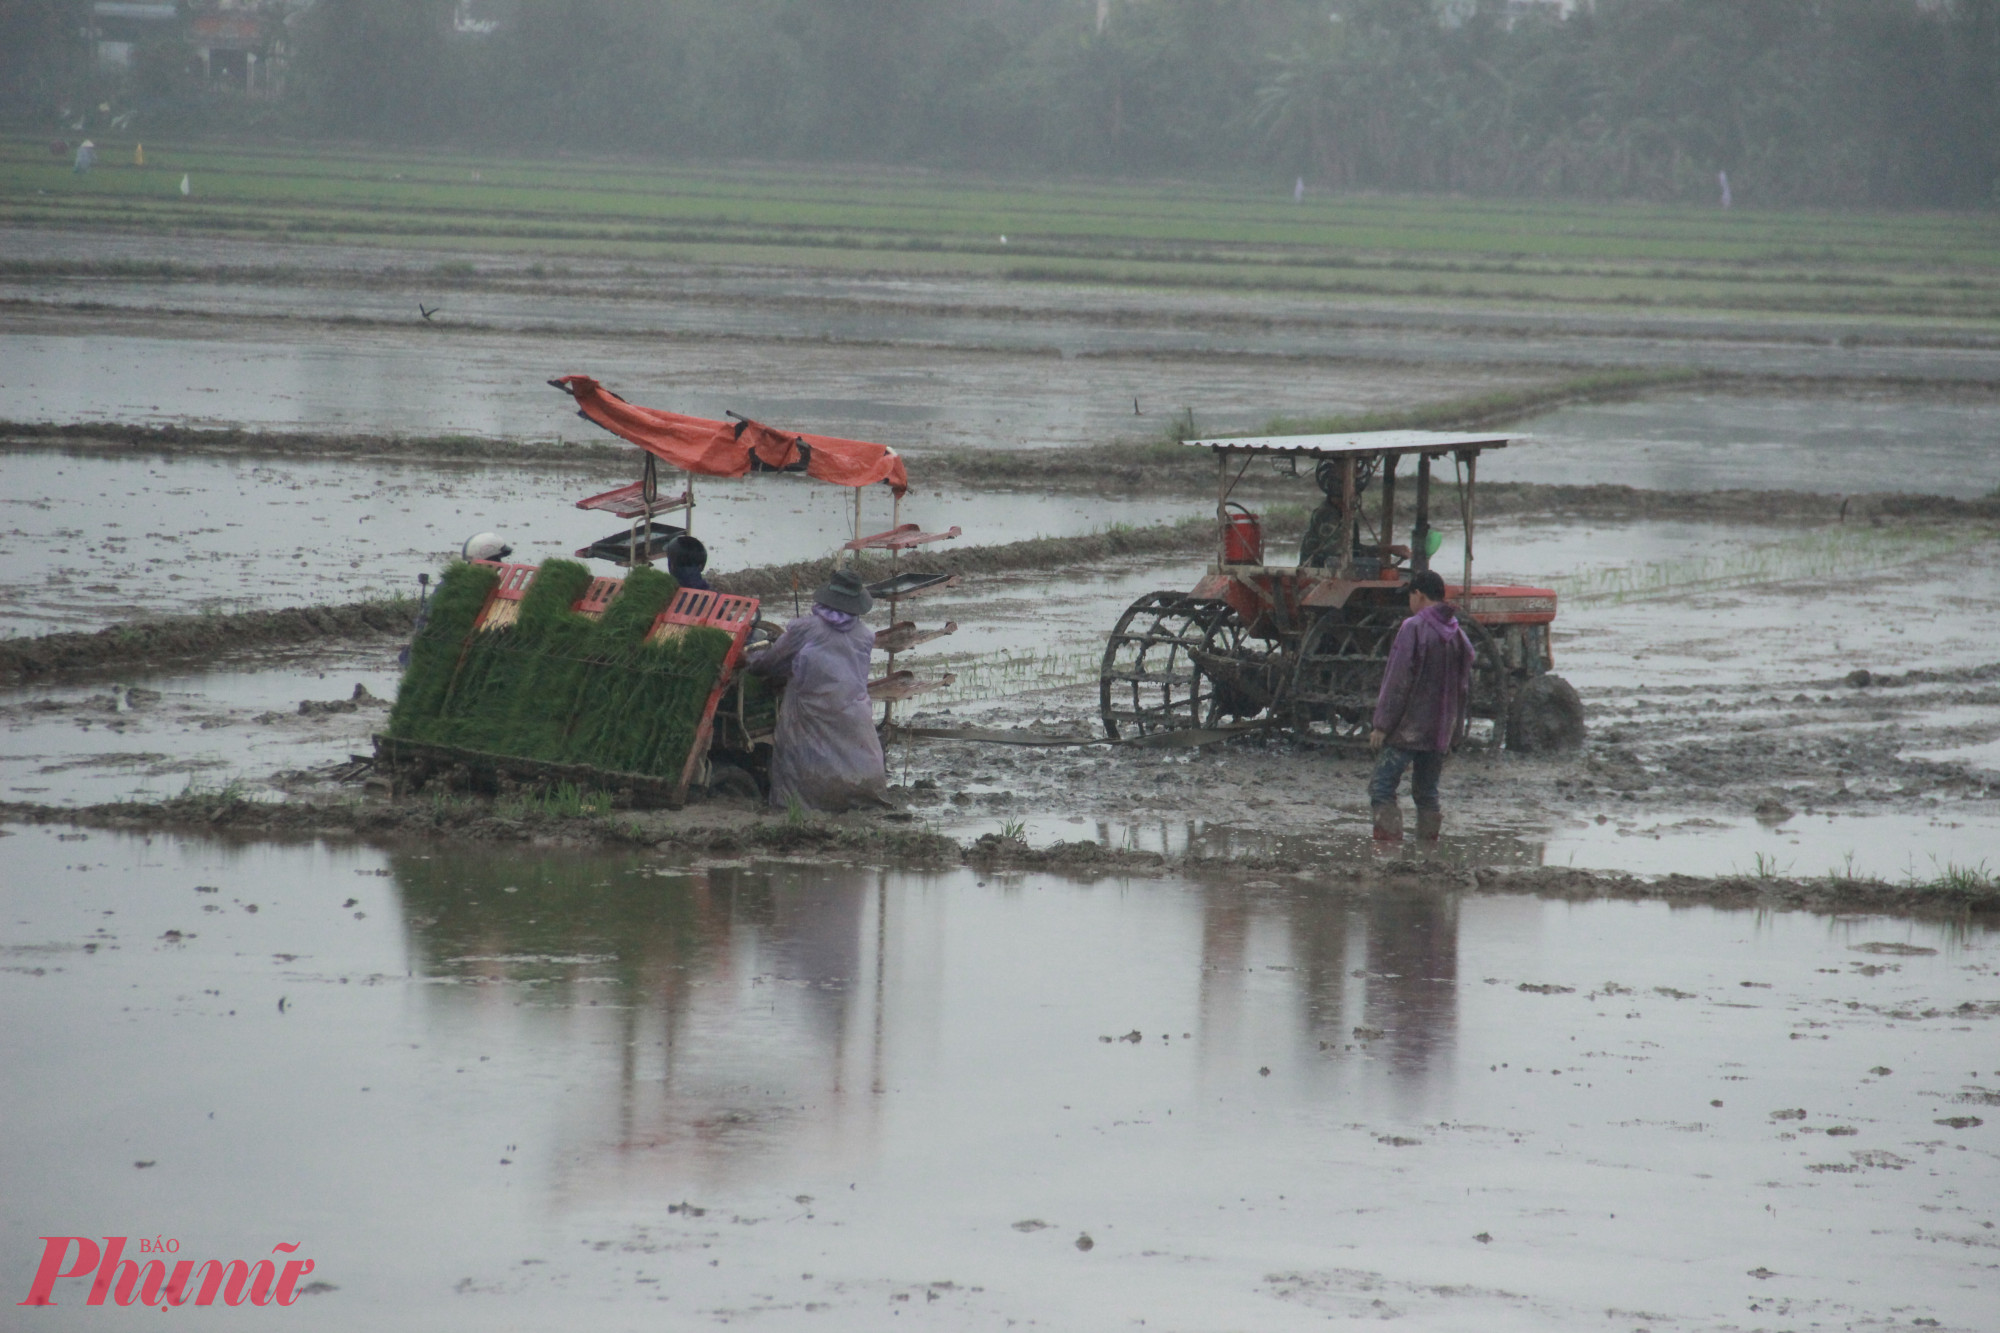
(744, 1012)
(727, 1021)
(1413, 977)
(475, 1080)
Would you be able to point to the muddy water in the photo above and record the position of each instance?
(156, 734)
(90, 540)
(530, 1091)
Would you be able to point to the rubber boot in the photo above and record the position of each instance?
(1388, 823)
(1429, 822)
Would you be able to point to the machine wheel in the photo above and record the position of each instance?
(1151, 680)
(1491, 688)
(1546, 717)
(1242, 674)
(1339, 672)
(730, 779)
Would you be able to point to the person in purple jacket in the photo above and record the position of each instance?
(1420, 711)
(826, 753)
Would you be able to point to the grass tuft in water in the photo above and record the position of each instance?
(1765, 866)
(1951, 877)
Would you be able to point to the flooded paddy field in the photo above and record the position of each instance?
(800, 294)
(95, 536)
(483, 1091)
(427, 381)
(87, 540)
(489, 1066)
(1727, 737)
(1837, 443)
(949, 396)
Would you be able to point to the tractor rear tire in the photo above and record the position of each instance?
(1493, 689)
(1546, 717)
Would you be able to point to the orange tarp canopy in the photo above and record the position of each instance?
(732, 448)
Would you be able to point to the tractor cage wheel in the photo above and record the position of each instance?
(1150, 681)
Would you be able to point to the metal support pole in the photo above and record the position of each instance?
(1465, 502)
(1221, 499)
(649, 491)
(1420, 535)
(1347, 517)
(1388, 538)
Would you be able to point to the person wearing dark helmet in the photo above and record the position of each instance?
(1420, 709)
(826, 754)
(686, 559)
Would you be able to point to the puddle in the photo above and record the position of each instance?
(1985, 755)
(545, 1087)
(73, 745)
(1339, 842)
(1890, 847)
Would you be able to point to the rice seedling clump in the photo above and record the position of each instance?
(556, 685)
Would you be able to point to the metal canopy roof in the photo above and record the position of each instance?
(1363, 442)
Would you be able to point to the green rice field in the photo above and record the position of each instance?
(1923, 266)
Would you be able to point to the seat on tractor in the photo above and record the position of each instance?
(1320, 546)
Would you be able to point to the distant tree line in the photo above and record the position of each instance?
(1886, 102)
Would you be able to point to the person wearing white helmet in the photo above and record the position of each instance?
(485, 546)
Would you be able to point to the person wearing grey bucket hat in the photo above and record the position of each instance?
(826, 754)
(845, 592)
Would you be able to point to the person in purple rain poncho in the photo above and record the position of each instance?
(1420, 710)
(826, 753)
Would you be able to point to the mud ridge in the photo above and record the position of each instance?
(222, 815)
(481, 328)
(147, 642)
(169, 441)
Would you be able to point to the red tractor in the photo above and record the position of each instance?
(1302, 646)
